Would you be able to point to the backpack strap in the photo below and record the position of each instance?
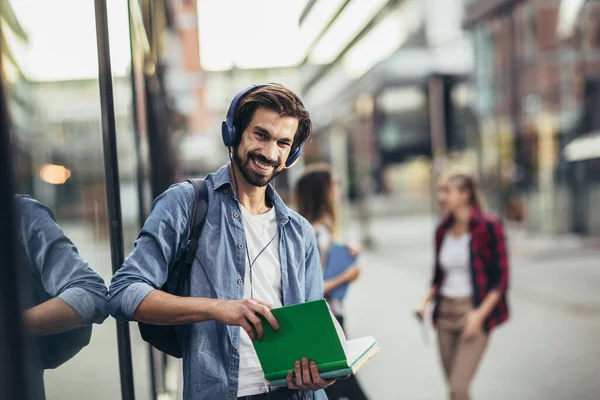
(198, 218)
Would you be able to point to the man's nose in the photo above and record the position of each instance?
(271, 151)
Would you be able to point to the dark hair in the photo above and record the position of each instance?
(278, 98)
(465, 180)
(313, 196)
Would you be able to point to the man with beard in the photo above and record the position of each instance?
(254, 254)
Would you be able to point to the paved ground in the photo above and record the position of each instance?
(548, 351)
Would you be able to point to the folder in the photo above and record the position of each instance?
(338, 261)
(309, 330)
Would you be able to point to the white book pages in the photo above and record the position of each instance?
(358, 347)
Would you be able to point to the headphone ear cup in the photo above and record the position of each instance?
(227, 127)
(293, 157)
(228, 134)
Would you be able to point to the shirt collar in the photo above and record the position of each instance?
(221, 179)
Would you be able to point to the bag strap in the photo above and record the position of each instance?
(198, 218)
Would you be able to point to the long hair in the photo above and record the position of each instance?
(313, 197)
(466, 180)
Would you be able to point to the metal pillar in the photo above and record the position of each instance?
(113, 194)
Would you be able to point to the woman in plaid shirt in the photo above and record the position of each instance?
(470, 280)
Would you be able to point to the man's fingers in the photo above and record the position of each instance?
(266, 312)
(306, 375)
(316, 376)
(305, 371)
(254, 320)
(290, 381)
(329, 382)
(248, 328)
(298, 373)
(264, 303)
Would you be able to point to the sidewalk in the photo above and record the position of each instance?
(547, 351)
(546, 246)
(562, 270)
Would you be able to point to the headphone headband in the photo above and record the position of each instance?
(228, 128)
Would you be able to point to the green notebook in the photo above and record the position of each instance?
(310, 330)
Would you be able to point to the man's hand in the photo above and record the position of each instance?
(307, 377)
(244, 313)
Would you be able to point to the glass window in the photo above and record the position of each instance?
(51, 74)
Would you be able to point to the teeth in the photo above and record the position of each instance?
(263, 166)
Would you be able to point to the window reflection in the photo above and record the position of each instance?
(66, 297)
(59, 168)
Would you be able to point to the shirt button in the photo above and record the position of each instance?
(235, 215)
(232, 394)
(226, 191)
(240, 246)
(239, 281)
(235, 350)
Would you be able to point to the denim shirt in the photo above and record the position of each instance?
(56, 268)
(210, 357)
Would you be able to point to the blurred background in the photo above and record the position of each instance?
(398, 91)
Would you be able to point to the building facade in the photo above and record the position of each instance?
(536, 72)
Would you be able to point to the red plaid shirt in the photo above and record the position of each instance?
(489, 263)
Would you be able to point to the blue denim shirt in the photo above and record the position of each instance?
(210, 357)
(56, 268)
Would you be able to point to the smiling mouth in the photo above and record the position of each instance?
(261, 166)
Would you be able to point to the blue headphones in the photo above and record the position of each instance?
(228, 129)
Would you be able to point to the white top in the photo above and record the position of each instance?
(455, 261)
(324, 242)
(266, 283)
(324, 239)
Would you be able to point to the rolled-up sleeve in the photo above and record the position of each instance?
(63, 273)
(159, 244)
(314, 272)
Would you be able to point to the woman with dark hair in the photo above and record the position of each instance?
(317, 199)
(470, 280)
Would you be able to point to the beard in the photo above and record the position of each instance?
(252, 176)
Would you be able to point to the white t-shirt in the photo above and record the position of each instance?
(455, 261)
(266, 286)
(324, 242)
(324, 239)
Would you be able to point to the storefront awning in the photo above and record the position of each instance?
(586, 147)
